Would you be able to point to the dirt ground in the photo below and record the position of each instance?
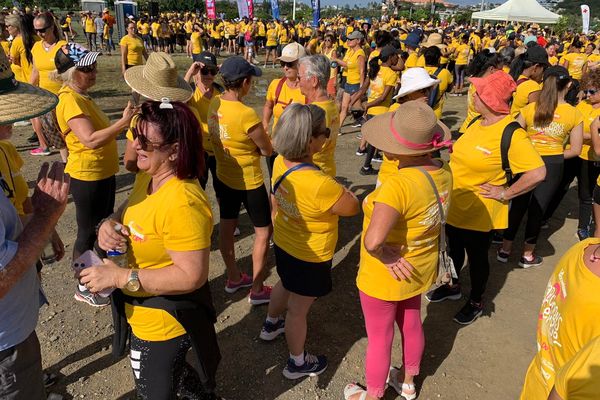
(486, 360)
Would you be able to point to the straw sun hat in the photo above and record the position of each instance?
(411, 130)
(158, 79)
(20, 101)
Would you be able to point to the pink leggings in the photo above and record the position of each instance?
(380, 316)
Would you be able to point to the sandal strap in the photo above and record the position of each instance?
(408, 386)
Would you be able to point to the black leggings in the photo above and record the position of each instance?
(211, 165)
(477, 245)
(161, 372)
(586, 172)
(94, 201)
(535, 203)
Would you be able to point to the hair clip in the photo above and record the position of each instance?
(165, 104)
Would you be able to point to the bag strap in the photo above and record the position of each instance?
(474, 120)
(278, 89)
(289, 171)
(507, 135)
(437, 71)
(519, 81)
(440, 208)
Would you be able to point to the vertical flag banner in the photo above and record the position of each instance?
(585, 16)
(316, 6)
(275, 9)
(250, 9)
(242, 8)
(211, 11)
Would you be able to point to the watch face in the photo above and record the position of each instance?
(133, 285)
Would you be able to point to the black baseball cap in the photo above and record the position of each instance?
(234, 68)
(388, 51)
(207, 58)
(537, 55)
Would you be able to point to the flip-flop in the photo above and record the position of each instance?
(351, 389)
(394, 382)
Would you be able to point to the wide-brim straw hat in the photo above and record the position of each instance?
(158, 79)
(413, 129)
(20, 101)
(434, 39)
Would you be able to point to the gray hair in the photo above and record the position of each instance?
(294, 129)
(65, 78)
(319, 66)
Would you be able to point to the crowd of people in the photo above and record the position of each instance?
(531, 128)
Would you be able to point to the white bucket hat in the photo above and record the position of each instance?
(415, 79)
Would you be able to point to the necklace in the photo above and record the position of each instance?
(47, 48)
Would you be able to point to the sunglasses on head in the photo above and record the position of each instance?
(145, 143)
(42, 30)
(88, 68)
(208, 70)
(287, 64)
(590, 92)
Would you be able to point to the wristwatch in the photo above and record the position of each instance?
(133, 283)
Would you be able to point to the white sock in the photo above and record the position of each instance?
(298, 360)
(272, 320)
(82, 288)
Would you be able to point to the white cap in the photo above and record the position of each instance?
(415, 79)
(292, 52)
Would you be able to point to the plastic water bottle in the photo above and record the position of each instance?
(118, 256)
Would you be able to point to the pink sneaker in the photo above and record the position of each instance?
(40, 152)
(244, 282)
(263, 297)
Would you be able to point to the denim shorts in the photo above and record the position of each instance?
(351, 88)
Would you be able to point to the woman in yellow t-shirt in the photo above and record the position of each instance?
(89, 28)
(239, 141)
(133, 51)
(550, 123)
(575, 61)
(307, 203)
(284, 91)
(93, 160)
(528, 71)
(43, 53)
(20, 53)
(568, 317)
(480, 197)
(400, 243)
(354, 64)
(462, 55)
(195, 41)
(329, 50)
(271, 45)
(380, 89)
(163, 291)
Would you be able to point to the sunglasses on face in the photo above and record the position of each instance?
(42, 30)
(590, 92)
(88, 68)
(288, 64)
(211, 71)
(145, 143)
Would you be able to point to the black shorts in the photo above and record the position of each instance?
(256, 201)
(214, 42)
(188, 36)
(302, 277)
(596, 195)
(240, 41)
(272, 47)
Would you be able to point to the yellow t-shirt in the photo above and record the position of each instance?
(330, 54)
(446, 79)
(188, 27)
(196, 43)
(89, 25)
(388, 168)
(579, 379)
(155, 26)
(271, 37)
(17, 52)
(553, 60)
(550, 140)
(525, 87)
(567, 321)
(283, 36)
(201, 104)
(325, 158)
(238, 157)
(144, 29)
(471, 112)
(304, 227)
(135, 49)
(12, 181)
(352, 71)
(576, 63)
(286, 97)
(417, 228)
(84, 163)
(414, 60)
(385, 77)
(475, 160)
(463, 51)
(44, 62)
(589, 113)
(185, 225)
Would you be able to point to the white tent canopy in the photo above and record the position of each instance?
(519, 10)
